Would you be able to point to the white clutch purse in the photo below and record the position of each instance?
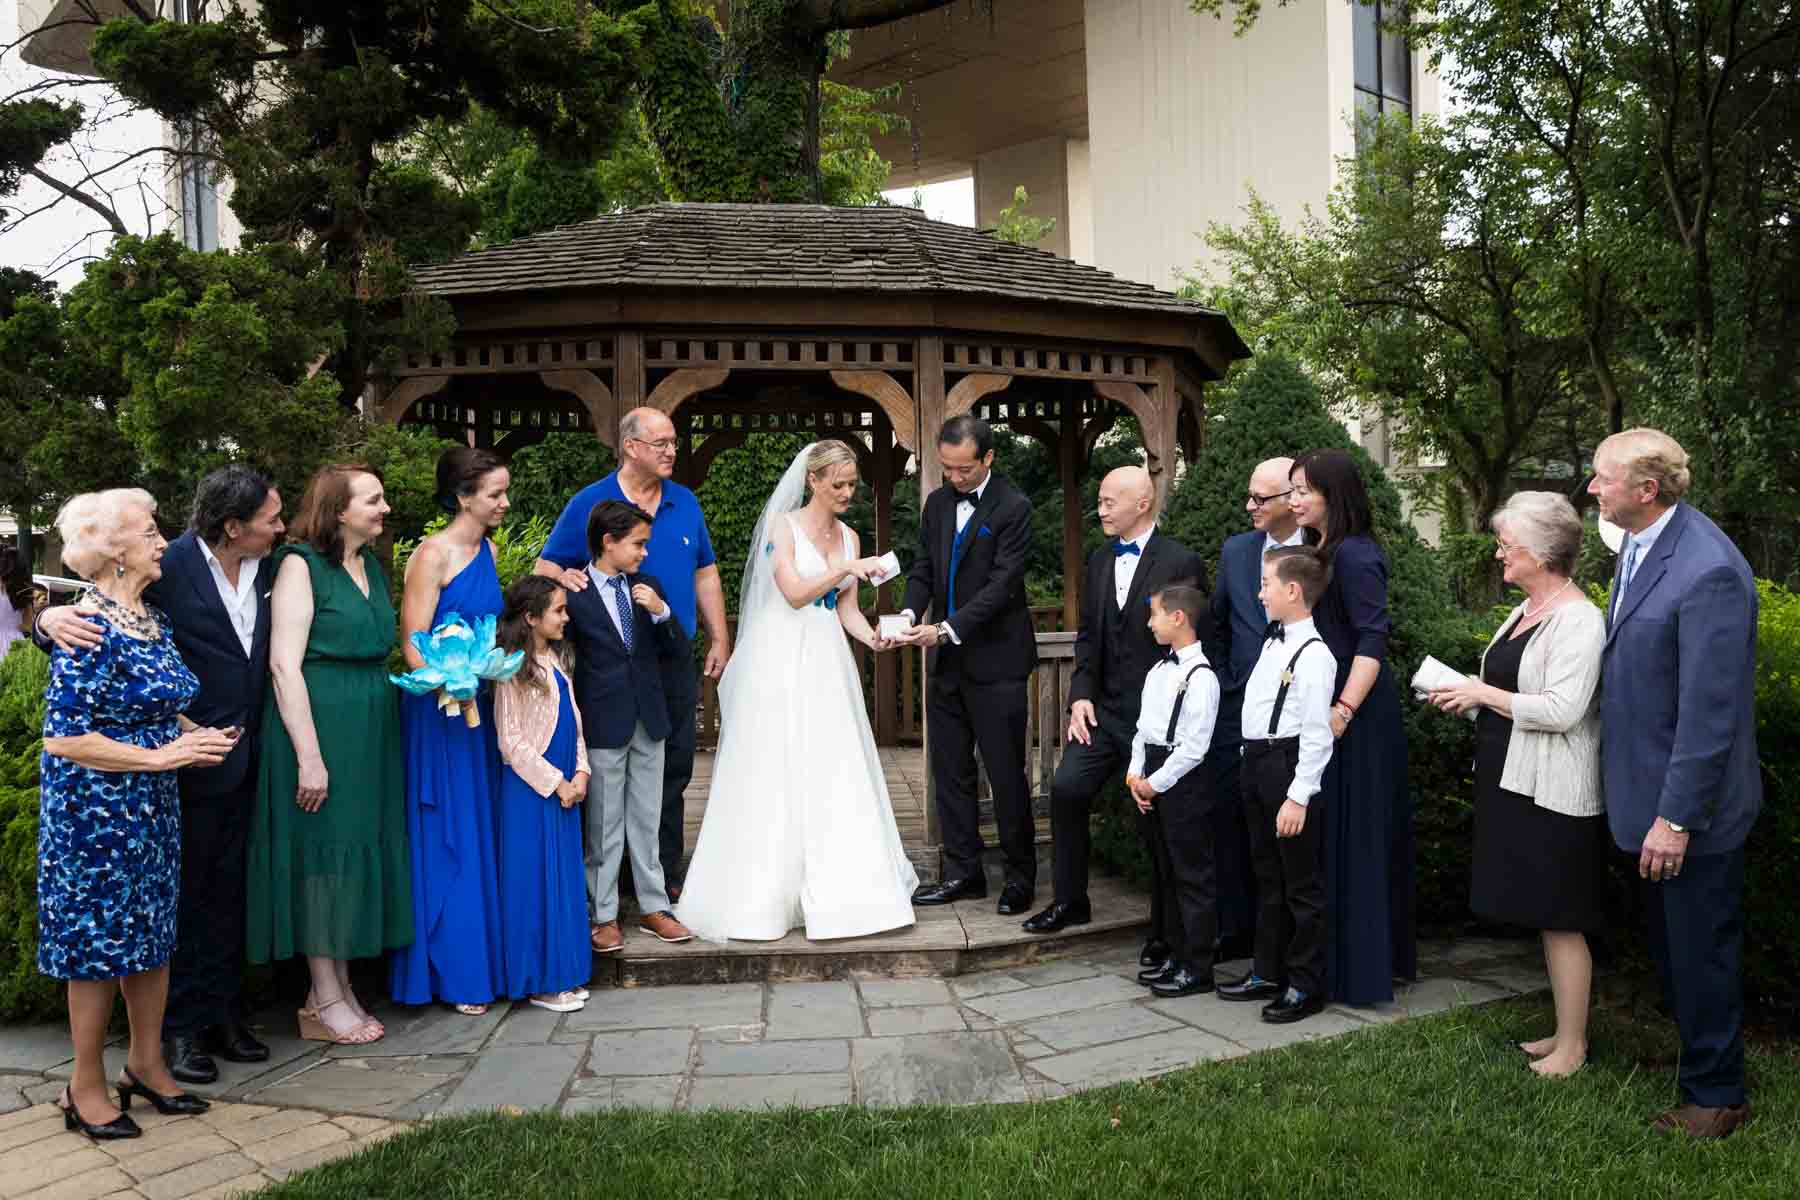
(1434, 674)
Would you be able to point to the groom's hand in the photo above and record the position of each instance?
(1081, 721)
(924, 635)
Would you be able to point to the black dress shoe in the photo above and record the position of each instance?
(1058, 916)
(1155, 951)
(1183, 982)
(234, 1043)
(951, 890)
(181, 1104)
(1250, 988)
(1294, 1005)
(1158, 973)
(121, 1126)
(189, 1063)
(1014, 900)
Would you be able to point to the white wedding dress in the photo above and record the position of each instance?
(799, 830)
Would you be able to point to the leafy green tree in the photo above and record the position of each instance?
(1018, 226)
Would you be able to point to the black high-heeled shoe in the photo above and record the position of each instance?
(181, 1104)
(121, 1126)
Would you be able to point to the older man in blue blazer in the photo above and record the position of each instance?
(1678, 755)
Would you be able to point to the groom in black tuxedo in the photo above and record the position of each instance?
(969, 572)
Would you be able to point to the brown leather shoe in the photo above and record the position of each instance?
(605, 937)
(1696, 1120)
(663, 925)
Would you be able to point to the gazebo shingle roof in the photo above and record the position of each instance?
(801, 246)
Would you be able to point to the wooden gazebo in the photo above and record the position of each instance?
(871, 324)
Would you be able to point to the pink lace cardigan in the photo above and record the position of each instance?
(525, 720)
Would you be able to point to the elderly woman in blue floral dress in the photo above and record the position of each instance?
(109, 821)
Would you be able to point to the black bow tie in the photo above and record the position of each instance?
(1171, 657)
(966, 497)
(1275, 633)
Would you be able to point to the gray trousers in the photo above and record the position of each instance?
(624, 807)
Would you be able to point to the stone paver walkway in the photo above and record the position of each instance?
(1017, 1034)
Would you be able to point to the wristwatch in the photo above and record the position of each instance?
(1674, 827)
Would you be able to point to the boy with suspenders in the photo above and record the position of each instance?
(1287, 743)
(1174, 732)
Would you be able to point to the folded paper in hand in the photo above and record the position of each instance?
(1434, 674)
(893, 626)
(889, 568)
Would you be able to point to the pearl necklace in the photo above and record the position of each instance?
(1540, 608)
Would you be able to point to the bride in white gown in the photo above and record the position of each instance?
(799, 831)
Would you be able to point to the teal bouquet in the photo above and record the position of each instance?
(457, 658)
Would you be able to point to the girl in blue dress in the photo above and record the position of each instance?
(1367, 805)
(452, 771)
(543, 881)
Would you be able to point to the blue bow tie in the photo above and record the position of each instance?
(1121, 549)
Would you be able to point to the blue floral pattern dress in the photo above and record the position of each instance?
(109, 842)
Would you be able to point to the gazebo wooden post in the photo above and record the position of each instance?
(1069, 463)
(928, 389)
(629, 384)
(887, 672)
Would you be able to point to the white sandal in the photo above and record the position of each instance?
(559, 1002)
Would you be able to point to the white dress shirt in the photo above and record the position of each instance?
(1193, 733)
(239, 598)
(1638, 544)
(1297, 538)
(1125, 565)
(603, 580)
(964, 510)
(1306, 714)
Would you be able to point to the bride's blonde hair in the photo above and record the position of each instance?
(825, 455)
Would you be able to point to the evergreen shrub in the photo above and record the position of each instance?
(25, 995)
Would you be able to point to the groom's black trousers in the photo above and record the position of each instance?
(963, 717)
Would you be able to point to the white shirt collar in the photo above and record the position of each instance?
(1301, 629)
(1643, 541)
(601, 575)
(1298, 538)
(249, 565)
(1190, 654)
(1141, 540)
(979, 490)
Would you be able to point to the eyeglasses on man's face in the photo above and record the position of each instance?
(661, 445)
(1257, 501)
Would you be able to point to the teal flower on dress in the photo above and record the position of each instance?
(457, 658)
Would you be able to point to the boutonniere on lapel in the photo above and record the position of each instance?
(457, 658)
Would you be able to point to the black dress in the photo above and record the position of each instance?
(1366, 801)
(1533, 868)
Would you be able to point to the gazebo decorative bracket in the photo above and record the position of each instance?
(886, 391)
(594, 395)
(1158, 432)
(970, 389)
(408, 392)
(683, 385)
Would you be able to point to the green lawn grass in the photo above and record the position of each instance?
(1435, 1107)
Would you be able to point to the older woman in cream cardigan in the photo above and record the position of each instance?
(1539, 837)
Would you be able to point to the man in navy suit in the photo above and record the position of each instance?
(1678, 755)
(1242, 625)
(215, 591)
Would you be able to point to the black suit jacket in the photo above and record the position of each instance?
(1164, 561)
(993, 618)
(615, 689)
(231, 683)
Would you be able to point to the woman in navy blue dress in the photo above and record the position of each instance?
(109, 815)
(452, 771)
(1367, 805)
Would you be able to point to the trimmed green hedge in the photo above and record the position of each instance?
(24, 994)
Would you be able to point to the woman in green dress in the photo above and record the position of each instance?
(328, 870)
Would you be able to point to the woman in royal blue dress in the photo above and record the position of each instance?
(109, 813)
(1367, 807)
(543, 876)
(452, 771)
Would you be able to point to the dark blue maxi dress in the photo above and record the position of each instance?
(452, 777)
(1367, 803)
(543, 885)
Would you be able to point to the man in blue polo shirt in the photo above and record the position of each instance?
(681, 557)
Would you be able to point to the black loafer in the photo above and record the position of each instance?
(188, 1062)
(1294, 1005)
(234, 1043)
(1182, 982)
(950, 891)
(1014, 900)
(1155, 951)
(1250, 988)
(1150, 976)
(1059, 916)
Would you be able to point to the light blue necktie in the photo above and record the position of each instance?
(622, 601)
(1631, 564)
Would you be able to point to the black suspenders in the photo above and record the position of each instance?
(1287, 679)
(1180, 697)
